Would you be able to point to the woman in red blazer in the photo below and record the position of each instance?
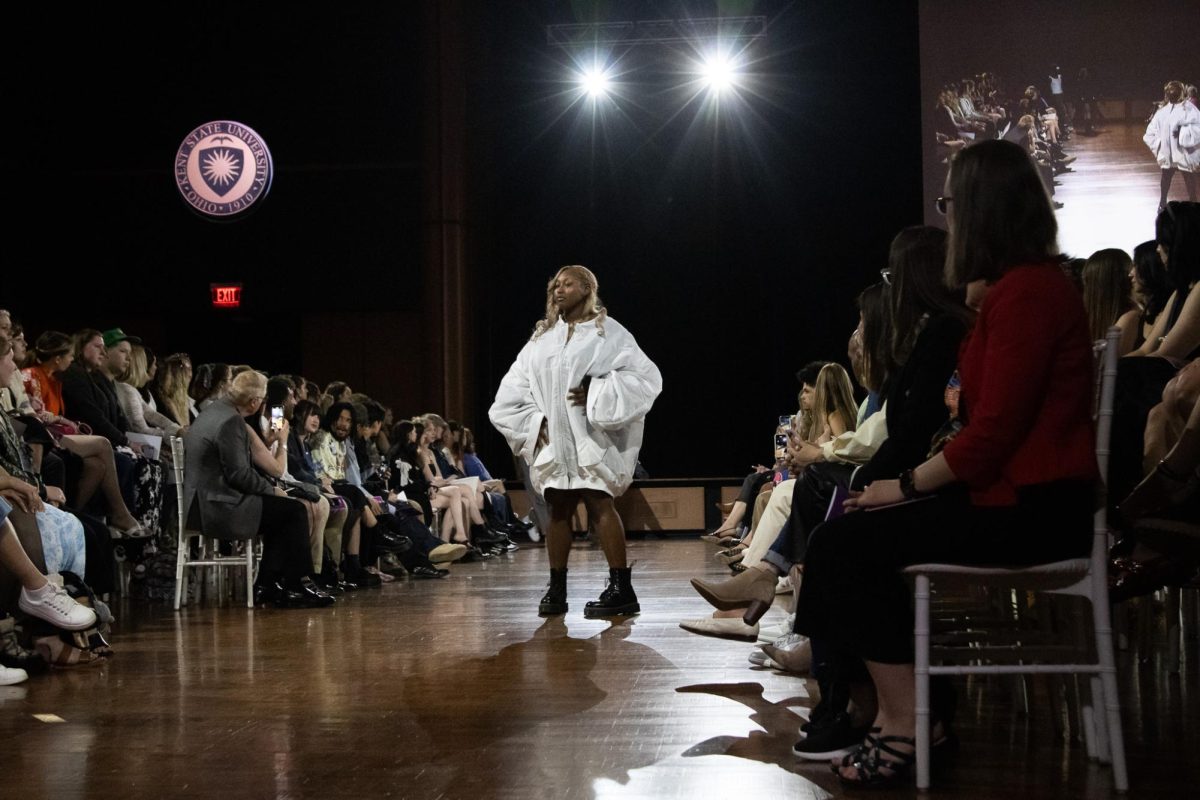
(1015, 486)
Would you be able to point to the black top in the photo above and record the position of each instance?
(89, 397)
(916, 406)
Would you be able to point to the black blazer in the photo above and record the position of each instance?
(90, 399)
(916, 406)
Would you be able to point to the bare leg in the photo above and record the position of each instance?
(353, 538)
(99, 472)
(895, 688)
(735, 516)
(1164, 186)
(13, 557)
(35, 456)
(1190, 180)
(558, 537)
(607, 524)
(319, 514)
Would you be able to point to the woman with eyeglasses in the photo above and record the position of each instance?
(1015, 485)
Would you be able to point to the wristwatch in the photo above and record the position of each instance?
(908, 486)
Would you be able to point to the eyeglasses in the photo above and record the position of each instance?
(886, 274)
(942, 203)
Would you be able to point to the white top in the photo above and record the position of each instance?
(1173, 136)
(595, 447)
(143, 419)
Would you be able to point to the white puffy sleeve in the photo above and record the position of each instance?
(515, 412)
(1151, 138)
(1189, 134)
(625, 393)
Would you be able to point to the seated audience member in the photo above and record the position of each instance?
(129, 367)
(495, 506)
(761, 476)
(13, 397)
(1016, 485)
(95, 468)
(1174, 340)
(339, 391)
(61, 534)
(227, 498)
(1165, 507)
(332, 452)
(53, 352)
(210, 383)
(1151, 288)
(918, 357)
(406, 474)
(38, 597)
(269, 446)
(170, 390)
(431, 456)
(1108, 296)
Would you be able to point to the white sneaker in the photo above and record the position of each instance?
(783, 586)
(770, 633)
(11, 675)
(52, 604)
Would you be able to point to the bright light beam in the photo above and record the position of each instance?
(718, 73)
(595, 83)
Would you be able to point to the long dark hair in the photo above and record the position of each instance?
(1152, 275)
(917, 258)
(1177, 229)
(401, 446)
(300, 414)
(875, 306)
(1001, 215)
(335, 411)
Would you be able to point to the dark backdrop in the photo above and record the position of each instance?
(731, 245)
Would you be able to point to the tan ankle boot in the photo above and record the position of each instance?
(753, 590)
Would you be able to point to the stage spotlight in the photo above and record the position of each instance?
(718, 72)
(595, 82)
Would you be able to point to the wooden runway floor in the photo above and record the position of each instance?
(456, 689)
(1110, 199)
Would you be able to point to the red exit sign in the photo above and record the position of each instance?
(226, 295)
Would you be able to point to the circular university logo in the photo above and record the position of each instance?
(223, 169)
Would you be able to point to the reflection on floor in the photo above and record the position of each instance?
(456, 689)
(1111, 197)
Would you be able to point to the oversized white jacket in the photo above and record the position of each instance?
(591, 447)
(1173, 135)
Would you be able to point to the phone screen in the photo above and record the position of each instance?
(277, 418)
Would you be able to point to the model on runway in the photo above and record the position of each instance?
(572, 406)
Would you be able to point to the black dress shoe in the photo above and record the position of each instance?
(267, 594)
(423, 571)
(347, 586)
(307, 595)
(388, 542)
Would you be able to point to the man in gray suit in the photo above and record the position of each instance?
(228, 498)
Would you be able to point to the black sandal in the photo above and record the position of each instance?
(872, 769)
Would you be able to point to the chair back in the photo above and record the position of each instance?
(178, 459)
(1107, 372)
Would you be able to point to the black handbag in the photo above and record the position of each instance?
(301, 491)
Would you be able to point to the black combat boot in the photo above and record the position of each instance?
(555, 601)
(617, 600)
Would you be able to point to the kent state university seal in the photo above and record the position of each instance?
(223, 169)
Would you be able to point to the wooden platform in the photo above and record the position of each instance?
(659, 505)
(455, 689)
